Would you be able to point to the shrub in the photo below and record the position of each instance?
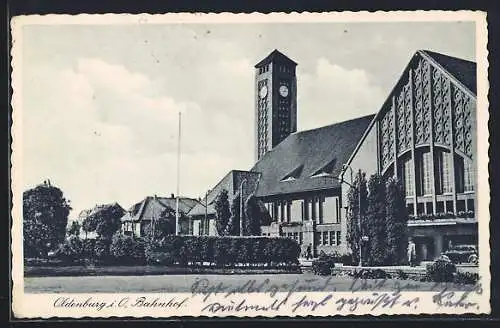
(127, 250)
(370, 274)
(441, 271)
(466, 278)
(400, 274)
(324, 264)
(71, 250)
(89, 249)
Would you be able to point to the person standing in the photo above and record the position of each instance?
(308, 252)
(411, 252)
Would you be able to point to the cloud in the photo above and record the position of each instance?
(104, 133)
(333, 94)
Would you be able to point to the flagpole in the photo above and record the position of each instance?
(178, 178)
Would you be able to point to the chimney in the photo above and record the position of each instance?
(172, 196)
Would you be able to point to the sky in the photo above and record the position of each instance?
(101, 102)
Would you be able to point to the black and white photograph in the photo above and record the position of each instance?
(250, 165)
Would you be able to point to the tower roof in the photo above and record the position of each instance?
(275, 55)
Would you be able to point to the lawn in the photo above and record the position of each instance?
(183, 283)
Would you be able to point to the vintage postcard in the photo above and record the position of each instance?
(214, 165)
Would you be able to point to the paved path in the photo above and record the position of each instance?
(184, 283)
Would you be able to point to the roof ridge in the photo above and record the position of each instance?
(445, 55)
(141, 209)
(333, 124)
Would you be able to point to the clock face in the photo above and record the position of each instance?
(284, 91)
(263, 92)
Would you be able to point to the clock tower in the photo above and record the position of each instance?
(275, 101)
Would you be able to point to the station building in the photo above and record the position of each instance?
(424, 134)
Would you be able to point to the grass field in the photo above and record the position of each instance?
(184, 283)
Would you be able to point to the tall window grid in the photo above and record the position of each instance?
(426, 173)
(408, 177)
(468, 176)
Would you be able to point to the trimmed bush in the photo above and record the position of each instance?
(370, 274)
(466, 278)
(71, 250)
(324, 264)
(223, 251)
(400, 274)
(441, 271)
(127, 250)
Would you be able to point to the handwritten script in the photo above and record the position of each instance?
(326, 296)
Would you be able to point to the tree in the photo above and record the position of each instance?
(254, 217)
(74, 229)
(353, 218)
(45, 217)
(89, 223)
(396, 222)
(104, 220)
(374, 226)
(162, 226)
(233, 226)
(222, 212)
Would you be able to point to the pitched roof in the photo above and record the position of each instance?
(86, 213)
(309, 160)
(463, 70)
(153, 207)
(231, 182)
(275, 55)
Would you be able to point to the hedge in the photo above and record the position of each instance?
(223, 251)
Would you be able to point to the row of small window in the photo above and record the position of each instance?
(264, 69)
(297, 236)
(281, 69)
(328, 238)
(441, 207)
(284, 69)
(319, 209)
(442, 179)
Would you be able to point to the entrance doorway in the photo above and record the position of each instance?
(424, 247)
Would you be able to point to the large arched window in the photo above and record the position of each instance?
(464, 174)
(424, 166)
(408, 178)
(443, 171)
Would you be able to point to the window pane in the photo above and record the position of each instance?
(446, 172)
(470, 205)
(468, 176)
(329, 210)
(426, 173)
(295, 211)
(420, 208)
(332, 238)
(325, 237)
(439, 207)
(429, 208)
(408, 177)
(338, 237)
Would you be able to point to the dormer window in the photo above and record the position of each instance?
(294, 174)
(322, 174)
(326, 170)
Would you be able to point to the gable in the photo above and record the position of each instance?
(429, 105)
